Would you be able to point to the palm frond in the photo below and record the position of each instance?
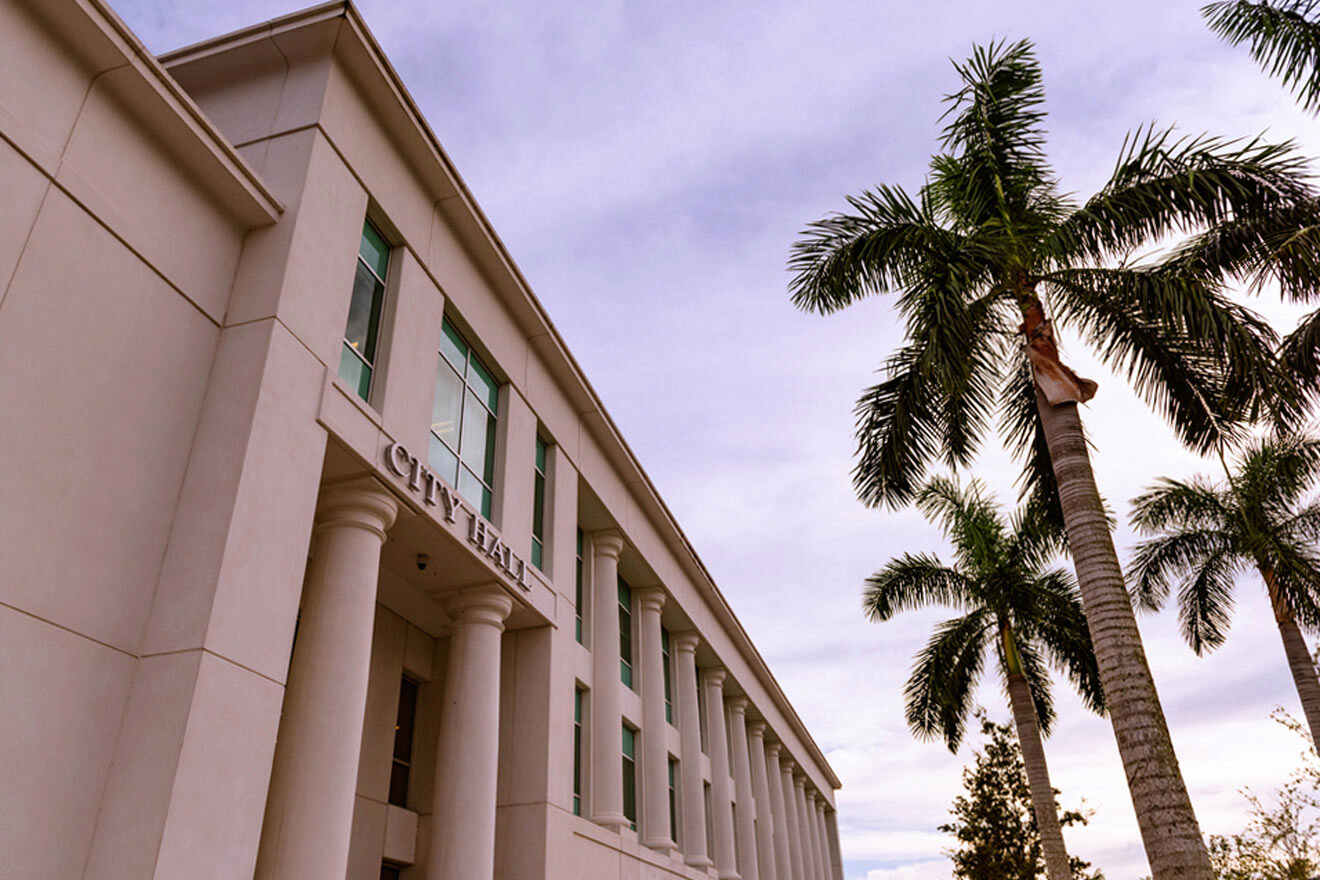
(1164, 183)
(1037, 674)
(1300, 353)
(1205, 600)
(1284, 36)
(912, 581)
(1019, 422)
(1056, 620)
(1204, 362)
(1181, 504)
(1179, 558)
(938, 694)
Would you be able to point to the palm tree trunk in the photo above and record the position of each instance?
(1165, 816)
(1057, 866)
(1299, 658)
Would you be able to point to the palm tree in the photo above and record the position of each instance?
(1284, 38)
(1008, 598)
(1208, 533)
(975, 258)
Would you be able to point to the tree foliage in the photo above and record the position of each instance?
(993, 821)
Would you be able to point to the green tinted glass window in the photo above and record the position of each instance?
(463, 421)
(630, 775)
(578, 696)
(673, 800)
(357, 357)
(665, 660)
(538, 506)
(625, 634)
(577, 597)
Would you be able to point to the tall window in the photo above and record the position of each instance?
(710, 820)
(625, 633)
(577, 607)
(463, 421)
(630, 776)
(538, 507)
(664, 659)
(737, 852)
(579, 695)
(403, 742)
(389, 872)
(673, 799)
(357, 359)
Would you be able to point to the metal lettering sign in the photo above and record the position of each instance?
(480, 533)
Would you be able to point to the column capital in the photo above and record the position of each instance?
(800, 780)
(756, 729)
(811, 796)
(685, 642)
(738, 704)
(772, 751)
(787, 764)
(608, 542)
(650, 598)
(488, 604)
(362, 503)
(714, 676)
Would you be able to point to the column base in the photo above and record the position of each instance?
(731, 875)
(612, 821)
(665, 846)
(698, 862)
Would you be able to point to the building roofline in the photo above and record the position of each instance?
(108, 40)
(607, 432)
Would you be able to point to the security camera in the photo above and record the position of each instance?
(422, 561)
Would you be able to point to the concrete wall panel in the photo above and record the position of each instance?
(64, 697)
(109, 366)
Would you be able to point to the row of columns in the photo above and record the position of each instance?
(780, 832)
(309, 808)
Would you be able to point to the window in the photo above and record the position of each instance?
(579, 696)
(463, 421)
(664, 659)
(737, 853)
(625, 633)
(710, 821)
(577, 607)
(673, 799)
(358, 358)
(403, 742)
(538, 507)
(389, 872)
(630, 776)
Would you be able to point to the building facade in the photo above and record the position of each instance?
(321, 558)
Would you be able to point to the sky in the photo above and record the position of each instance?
(649, 166)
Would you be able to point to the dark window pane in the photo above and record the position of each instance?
(374, 251)
(538, 507)
(355, 373)
(399, 784)
(364, 313)
(454, 349)
(630, 775)
(537, 553)
(486, 499)
(389, 872)
(403, 727)
(540, 455)
(448, 405)
(443, 462)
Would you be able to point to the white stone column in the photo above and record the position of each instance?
(783, 861)
(467, 753)
(811, 851)
(606, 720)
(814, 827)
(655, 829)
(786, 767)
(742, 786)
(765, 816)
(826, 863)
(836, 855)
(804, 828)
(712, 683)
(309, 811)
(689, 726)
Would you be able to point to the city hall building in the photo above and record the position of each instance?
(320, 557)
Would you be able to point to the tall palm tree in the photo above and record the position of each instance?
(976, 257)
(1009, 598)
(1209, 532)
(1284, 38)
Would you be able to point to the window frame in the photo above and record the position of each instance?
(579, 740)
(580, 595)
(367, 360)
(629, 737)
(673, 799)
(407, 684)
(487, 398)
(538, 502)
(628, 656)
(667, 659)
